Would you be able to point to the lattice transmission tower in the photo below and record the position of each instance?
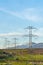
(30, 35)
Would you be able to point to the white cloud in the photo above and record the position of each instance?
(38, 32)
(32, 14)
(12, 34)
(11, 13)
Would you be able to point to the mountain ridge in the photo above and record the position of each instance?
(34, 45)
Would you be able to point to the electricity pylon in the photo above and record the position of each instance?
(30, 35)
(7, 43)
(15, 41)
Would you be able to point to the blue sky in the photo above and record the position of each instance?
(15, 15)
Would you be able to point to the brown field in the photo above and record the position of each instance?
(24, 51)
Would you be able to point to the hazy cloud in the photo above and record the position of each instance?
(11, 34)
(32, 14)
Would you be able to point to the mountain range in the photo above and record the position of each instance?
(34, 45)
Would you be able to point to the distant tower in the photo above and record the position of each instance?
(30, 35)
(15, 39)
(5, 45)
(7, 42)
